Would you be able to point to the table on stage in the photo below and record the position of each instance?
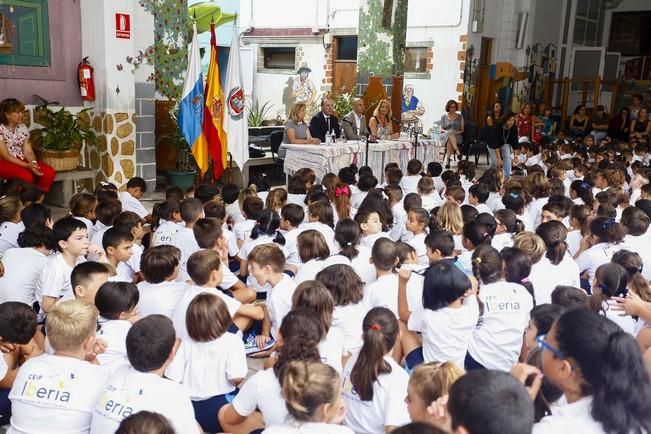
(330, 158)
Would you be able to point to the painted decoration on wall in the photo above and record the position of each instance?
(542, 63)
(24, 33)
(303, 89)
(411, 108)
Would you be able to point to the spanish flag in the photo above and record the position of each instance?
(213, 137)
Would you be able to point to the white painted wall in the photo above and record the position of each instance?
(143, 31)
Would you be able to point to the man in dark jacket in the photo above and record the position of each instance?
(325, 121)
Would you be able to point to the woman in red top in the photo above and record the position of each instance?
(524, 121)
(17, 159)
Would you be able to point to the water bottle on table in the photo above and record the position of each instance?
(328, 138)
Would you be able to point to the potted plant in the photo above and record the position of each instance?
(185, 171)
(257, 113)
(58, 143)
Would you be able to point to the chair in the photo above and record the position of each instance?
(275, 140)
(475, 140)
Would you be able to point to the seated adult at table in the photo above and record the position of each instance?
(380, 124)
(355, 122)
(325, 121)
(17, 158)
(451, 131)
(296, 130)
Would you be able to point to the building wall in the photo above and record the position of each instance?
(58, 82)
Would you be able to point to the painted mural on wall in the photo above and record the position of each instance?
(412, 108)
(542, 63)
(381, 38)
(300, 88)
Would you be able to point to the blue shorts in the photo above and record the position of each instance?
(471, 364)
(414, 358)
(205, 411)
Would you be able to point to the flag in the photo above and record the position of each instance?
(190, 118)
(235, 121)
(213, 137)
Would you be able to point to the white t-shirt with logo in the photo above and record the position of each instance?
(497, 340)
(242, 230)
(159, 298)
(387, 408)
(186, 298)
(23, 268)
(55, 394)
(446, 331)
(187, 244)
(9, 232)
(206, 368)
(262, 392)
(130, 203)
(165, 234)
(114, 333)
(129, 391)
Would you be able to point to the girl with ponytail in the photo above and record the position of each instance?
(598, 246)
(638, 285)
(603, 377)
(374, 385)
(342, 207)
(299, 337)
(579, 215)
(475, 234)
(312, 393)
(348, 238)
(507, 227)
(611, 280)
(497, 339)
(581, 193)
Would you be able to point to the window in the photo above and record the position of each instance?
(347, 48)
(416, 59)
(24, 33)
(630, 33)
(279, 57)
(589, 22)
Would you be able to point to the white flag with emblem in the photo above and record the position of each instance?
(235, 121)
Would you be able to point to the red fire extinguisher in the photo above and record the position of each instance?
(86, 80)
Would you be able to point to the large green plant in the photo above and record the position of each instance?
(343, 103)
(185, 161)
(257, 113)
(62, 130)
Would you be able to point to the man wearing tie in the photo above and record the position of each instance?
(324, 121)
(355, 121)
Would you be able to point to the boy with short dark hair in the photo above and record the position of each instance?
(86, 278)
(118, 246)
(291, 217)
(477, 196)
(230, 194)
(53, 285)
(159, 291)
(409, 183)
(191, 211)
(216, 209)
(251, 209)
(151, 345)
(455, 193)
(129, 221)
(58, 391)
(106, 212)
(136, 188)
(384, 291)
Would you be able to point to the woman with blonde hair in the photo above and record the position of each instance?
(450, 218)
(297, 131)
(380, 124)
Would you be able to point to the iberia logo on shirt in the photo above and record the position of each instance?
(115, 404)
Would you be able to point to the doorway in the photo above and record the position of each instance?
(484, 97)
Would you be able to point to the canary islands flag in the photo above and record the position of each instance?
(190, 118)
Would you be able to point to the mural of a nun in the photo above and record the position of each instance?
(411, 109)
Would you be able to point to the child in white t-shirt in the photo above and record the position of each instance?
(266, 265)
(53, 284)
(136, 188)
(384, 291)
(313, 252)
(371, 225)
(230, 193)
(417, 222)
(117, 303)
(169, 223)
(209, 233)
(447, 321)
(205, 269)
(191, 211)
(315, 406)
(106, 211)
(347, 291)
(430, 197)
(86, 279)
(10, 222)
(60, 389)
(216, 209)
(251, 209)
(477, 196)
(348, 237)
(211, 362)
(321, 218)
(118, 246)
(130, 222)
(409, 183)
(23, 265)
(374, 385)
(160, 292)
(140, 386)
(265, 231)
(610, 281)
(365, 183)
(497, 340)
(82, 207)
(301, 331)
(291, 217)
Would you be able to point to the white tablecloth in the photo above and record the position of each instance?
(331, 158)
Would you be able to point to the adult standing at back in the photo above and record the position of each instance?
(355, 122)
(325, 121)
